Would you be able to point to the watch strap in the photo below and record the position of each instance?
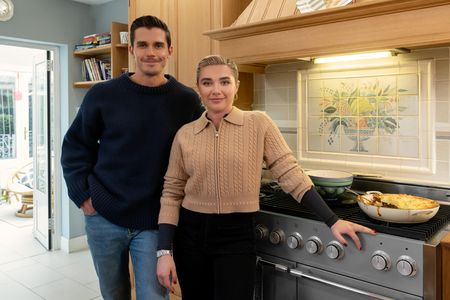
(163, 252)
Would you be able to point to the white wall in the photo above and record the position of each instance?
(104, 14)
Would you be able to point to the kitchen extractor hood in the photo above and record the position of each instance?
(270, 31)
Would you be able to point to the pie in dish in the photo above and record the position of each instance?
(399, 201)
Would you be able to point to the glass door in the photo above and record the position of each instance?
(42, 193)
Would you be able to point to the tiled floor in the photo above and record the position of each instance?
(29, 272)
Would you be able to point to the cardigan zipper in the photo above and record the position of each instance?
(216, 167)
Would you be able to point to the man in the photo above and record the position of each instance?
(114, 158)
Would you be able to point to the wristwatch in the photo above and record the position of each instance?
(160, 253)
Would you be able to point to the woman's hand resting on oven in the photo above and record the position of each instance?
(342, 227)
(166, 272)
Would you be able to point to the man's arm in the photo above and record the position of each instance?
(79, 152)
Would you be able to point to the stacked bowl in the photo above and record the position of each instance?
(329, 183)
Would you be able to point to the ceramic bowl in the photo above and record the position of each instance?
(329, 183)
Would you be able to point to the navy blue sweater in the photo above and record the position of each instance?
(117, 149)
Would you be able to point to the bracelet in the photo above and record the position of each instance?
(160, 253)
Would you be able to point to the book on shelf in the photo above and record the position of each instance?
(94, 40)
(93, 69)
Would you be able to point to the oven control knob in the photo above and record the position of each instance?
(334, 250)
(295, 240)
(276, 236)
(261, 232)
(314, 245)
(381, 260)
(406, 266)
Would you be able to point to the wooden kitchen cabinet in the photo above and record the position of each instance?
(187, 21)
(445, 246)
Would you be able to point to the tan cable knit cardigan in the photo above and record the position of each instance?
(219, 171)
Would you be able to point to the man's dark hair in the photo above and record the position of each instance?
(149, 22)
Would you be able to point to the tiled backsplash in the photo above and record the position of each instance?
(276, 92)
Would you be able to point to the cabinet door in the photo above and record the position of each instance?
(193, 19)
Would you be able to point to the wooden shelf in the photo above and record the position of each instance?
(115, 52)
(104, 49)
(86, 84)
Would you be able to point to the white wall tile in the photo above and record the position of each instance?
(293, 111)
(276, 96)
(278, 112)
(443, 150)
(291, 140)
(442, 90)
(442, 67)
(408, 126)
(259, 81)
(293, 95)
(259, 97)
(442, 111)
(281, 80)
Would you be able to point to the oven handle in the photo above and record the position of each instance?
(298, 273)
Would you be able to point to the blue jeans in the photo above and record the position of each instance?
(111, 246)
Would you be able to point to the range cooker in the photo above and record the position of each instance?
(299, 258)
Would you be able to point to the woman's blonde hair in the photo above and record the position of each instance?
(212, 60)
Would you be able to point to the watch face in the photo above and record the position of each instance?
(6, 10)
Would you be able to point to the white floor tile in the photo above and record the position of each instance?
(17, 291)
(29, 272)
(84, 273)
(34, 276)
(7, 255)
(29, 247)
(94, 286)
(71, 290)
(23, 262)
(58, 259)
(5, 280)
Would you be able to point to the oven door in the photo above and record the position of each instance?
(313, 284)
(273, 283)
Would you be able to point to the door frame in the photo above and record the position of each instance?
(56, 130)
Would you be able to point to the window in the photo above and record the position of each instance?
(7, 116)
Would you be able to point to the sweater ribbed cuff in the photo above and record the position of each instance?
(314, 201)
(78, 191)
(165, 236)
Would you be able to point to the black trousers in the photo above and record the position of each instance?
(215, 255)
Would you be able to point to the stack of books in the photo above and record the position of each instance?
(94, 40)
(93, 69)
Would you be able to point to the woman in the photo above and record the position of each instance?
(211, 192)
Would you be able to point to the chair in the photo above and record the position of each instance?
(20, 186)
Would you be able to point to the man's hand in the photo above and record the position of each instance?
(87, 207)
